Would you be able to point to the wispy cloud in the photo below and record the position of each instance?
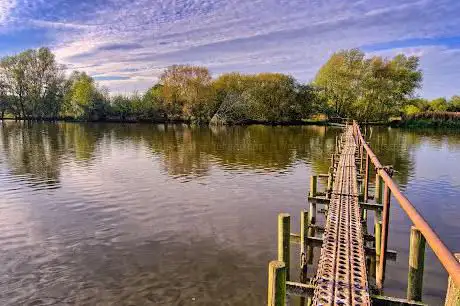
(5, 9)
(136, 39)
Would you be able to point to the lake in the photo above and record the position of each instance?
(139, 214)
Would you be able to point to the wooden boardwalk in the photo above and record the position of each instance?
(341, 277)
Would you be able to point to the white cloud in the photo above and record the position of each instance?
(138, 38)
(6, 7)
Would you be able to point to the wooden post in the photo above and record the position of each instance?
(277, 283)
(378, 188)
(416, 264)
(453, 292)
(304, 225)
(366, 178)
(329, 185)
(366, 192)
(384, 238)
(313, 185)
(378, 215)
(311, 231)
(284, 235)
(378, 233)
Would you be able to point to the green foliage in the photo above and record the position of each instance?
(367, 88)
(265, 97)
(84, 100)
(410, 110)
(438, 105)
(349, 84)
(454, 105)
(32, 82)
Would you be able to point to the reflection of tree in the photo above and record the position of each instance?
(32, 149)
(81, 139)
(189, 150)
(182, 148)
(395, 147)
(36, 149)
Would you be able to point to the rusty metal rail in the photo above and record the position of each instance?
(444, 255)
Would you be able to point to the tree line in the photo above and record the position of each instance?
(34, 86)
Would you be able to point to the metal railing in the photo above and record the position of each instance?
(445, 256)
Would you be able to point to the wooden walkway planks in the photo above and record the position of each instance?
(341, 277)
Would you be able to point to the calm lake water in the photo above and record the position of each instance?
(113, 214)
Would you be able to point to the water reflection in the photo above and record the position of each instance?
(38, 149)
(164, 214)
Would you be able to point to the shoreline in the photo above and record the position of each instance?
(409, 124)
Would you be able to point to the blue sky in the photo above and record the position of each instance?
(126, 44)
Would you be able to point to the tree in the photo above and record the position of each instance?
(14, 71)
(367, 88)
(33, 80)
(83, 99)
(439, 105)
(187, 91)
(121, 107)
(267, 97)
(338, 81)
(151, 105)
(454, 105)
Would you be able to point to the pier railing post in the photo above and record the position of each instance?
(284, 234)
(366, 178)
(329, 184)
(416, 265)
(304, 225)
(277, 283)
(378, 214)
(384, 237)
(366, 191)
(313, 185)
(311, 230)
(453, 292)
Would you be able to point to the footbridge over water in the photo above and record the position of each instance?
(351, 266)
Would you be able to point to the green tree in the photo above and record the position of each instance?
(410, 110)
(187, 92)
(454, 105)
(84, 100)
(151, 106)
(439, 105)
(367, 88)
(338, 81)
(33, 82)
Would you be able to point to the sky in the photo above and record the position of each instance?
(126, 44)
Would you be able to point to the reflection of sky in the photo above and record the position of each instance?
(434, 161)
(434, 189)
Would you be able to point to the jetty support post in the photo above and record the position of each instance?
(416, 265)
(304, 225)
(284, 235)
(313, 185)
(384, 237)
(453, 292)
(311, 231)
(378, 213)
(277, 283)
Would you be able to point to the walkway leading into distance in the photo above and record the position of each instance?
(341, 278)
